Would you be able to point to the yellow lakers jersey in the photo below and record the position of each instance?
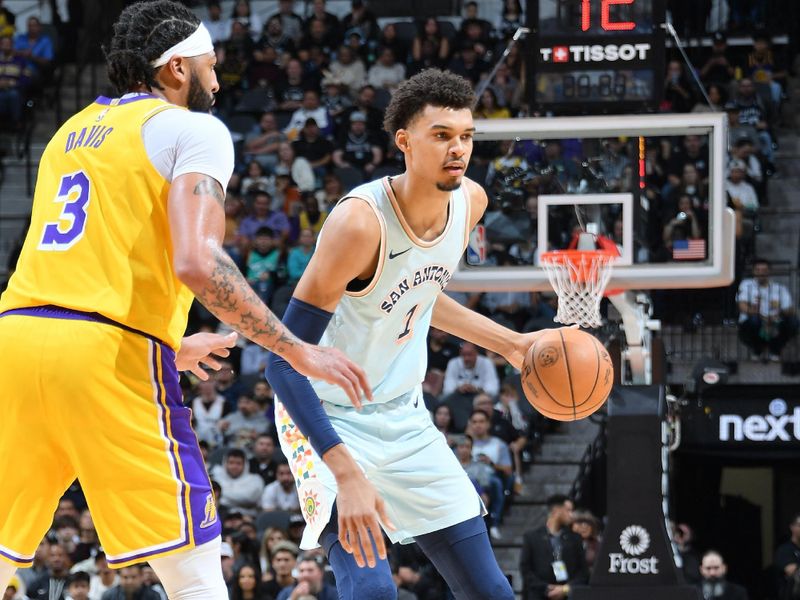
(99, 239)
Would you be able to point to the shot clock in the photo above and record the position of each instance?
(595, 56)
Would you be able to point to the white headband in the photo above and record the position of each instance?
(195, 45)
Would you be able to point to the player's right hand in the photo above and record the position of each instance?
(331, 365)
(361, 511)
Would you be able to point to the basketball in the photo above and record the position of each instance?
(567, 374)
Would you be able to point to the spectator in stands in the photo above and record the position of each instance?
(262, 263)
(753, 113)
(7, 21)
(255, 179)
(262, 143)
(289, 91)
(241, 491)
(319, 13)
(494, 452)
(242, 427)
(718, 68)
(766, 314)
(361, 19)
(468, 62)
(274, 36)
(614, 162)
(552, 558)
(78, 586)
(507, 88)
(254, 360)
(364, 103)
(744, 150)
(390, 39)
(152, 582)
(349, 69)
(52, 584)
(738, 189)
(39, 567)
(386, 73)
(358, 148)
(269, 540)
(714, 585)
(488, 108)
(692, 152)
(218, 27)
(243, 13)
(429, 31)
(300, 255)
(683, 536)
(131, 586)
(764, 69)
(36, 48)
(310, 109)
(331, 192)
(678, 96)
(283, 563)
(335, 100)
(586, 525)
(312, 146)
(443, 421)
(511, 19)
(683, 226)
(14, 78)
(291, 22)
(318, 36)
(787, 560)
(470, 373)
(104, 578)
(265, 458)
(297, 168)
(281, 493)
(264, 216)
(310, 573)
(247, 585)
(489, 486)
(311, 217)
(716, 96)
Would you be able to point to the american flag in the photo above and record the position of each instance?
(688, 249)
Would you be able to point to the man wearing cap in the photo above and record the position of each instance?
(718, 68)
(741, 193)
(358, 148)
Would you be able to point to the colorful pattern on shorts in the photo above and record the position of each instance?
(302, 458)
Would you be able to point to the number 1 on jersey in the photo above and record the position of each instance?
(74, 194)
(409, 327)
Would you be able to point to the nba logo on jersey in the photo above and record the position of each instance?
(476, 249)
(210, 512)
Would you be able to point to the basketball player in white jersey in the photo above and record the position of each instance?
(372, 289)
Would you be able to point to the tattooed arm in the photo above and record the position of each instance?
(197, 225)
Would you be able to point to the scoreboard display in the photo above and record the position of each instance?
(595, 56)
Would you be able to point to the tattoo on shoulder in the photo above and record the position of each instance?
(208, 186)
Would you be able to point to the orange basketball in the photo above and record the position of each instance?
(567, 374)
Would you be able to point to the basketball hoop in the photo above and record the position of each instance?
(579, 277)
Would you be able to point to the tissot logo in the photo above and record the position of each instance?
(778, 425)
(595, 53)
(634, 541)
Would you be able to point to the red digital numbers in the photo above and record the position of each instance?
(605, 16)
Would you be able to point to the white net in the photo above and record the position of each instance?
(579, 278)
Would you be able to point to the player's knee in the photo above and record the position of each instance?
(376, 585)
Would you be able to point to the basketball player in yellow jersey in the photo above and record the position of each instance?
(127, 226)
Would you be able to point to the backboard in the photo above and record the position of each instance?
(654, 184)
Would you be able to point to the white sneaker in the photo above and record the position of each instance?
(494, 532)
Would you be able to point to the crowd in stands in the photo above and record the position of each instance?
(304, 96)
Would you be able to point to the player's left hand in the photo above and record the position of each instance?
(201, 349)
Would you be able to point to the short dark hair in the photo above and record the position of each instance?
(260, 231)
(78, 576)
(430, 87)
(761, 261)
(235, 453)
(480, 411)
(141, 34)
(557, 500)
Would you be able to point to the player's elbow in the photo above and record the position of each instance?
(193, 270)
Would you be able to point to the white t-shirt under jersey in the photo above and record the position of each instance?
(180, 141)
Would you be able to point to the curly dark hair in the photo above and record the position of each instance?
(431, 87)
(141, 34)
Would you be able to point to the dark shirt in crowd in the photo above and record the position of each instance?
(540, 550)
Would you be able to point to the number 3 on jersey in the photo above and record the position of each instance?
(61, 235)
(405, 335)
